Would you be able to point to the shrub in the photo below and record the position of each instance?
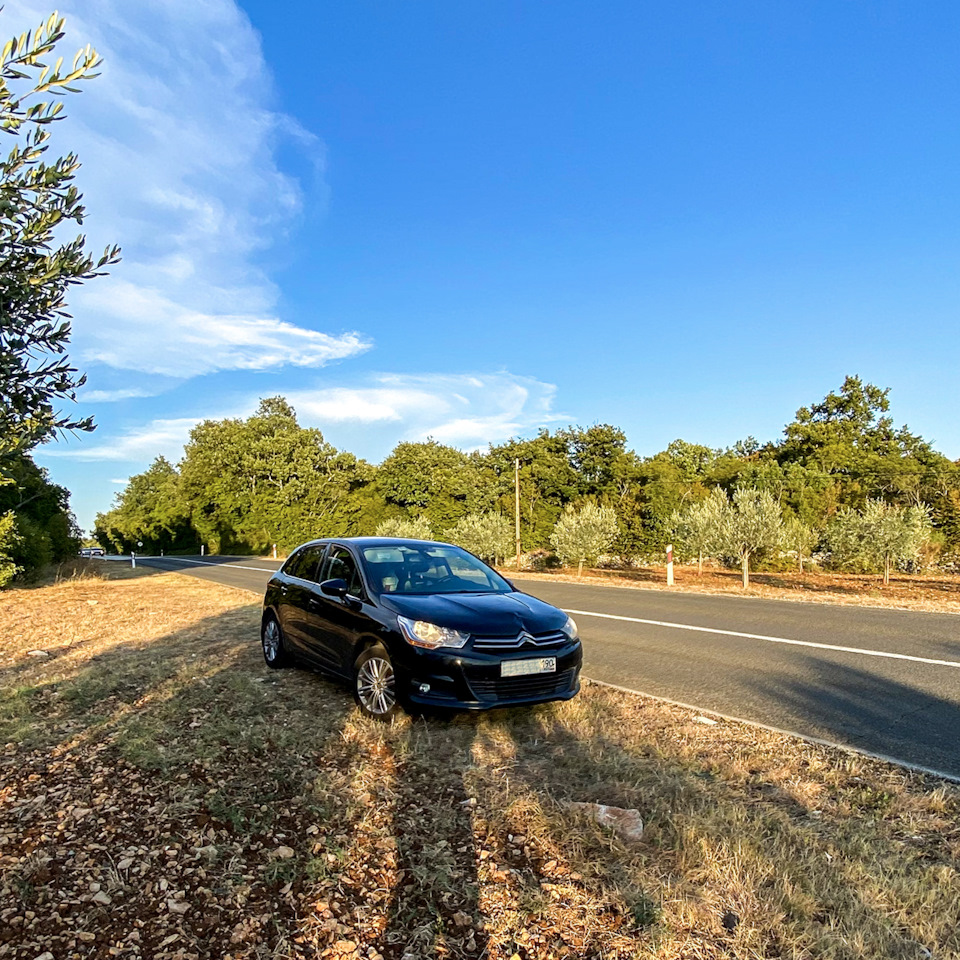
(9, 542)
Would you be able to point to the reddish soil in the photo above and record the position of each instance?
(922, 591)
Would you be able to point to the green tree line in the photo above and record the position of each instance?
(244, 485)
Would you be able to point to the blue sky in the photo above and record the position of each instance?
(466, 221)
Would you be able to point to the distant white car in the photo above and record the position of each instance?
(92, 552)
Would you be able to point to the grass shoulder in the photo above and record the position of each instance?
(160, 789)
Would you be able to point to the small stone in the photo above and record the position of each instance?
(102, 898)
(38, 653)
(178, 906)
(86, 937)
(626, 823)
(125, 863)
(730, 921)
(284, 853)
(707, 721)
(344, 947)
(462, 919)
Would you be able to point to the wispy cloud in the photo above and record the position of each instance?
(140, 444)
(111, 396)
(178, 142)
(464, 410)
(468, 410)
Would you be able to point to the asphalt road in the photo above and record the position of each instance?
(883, 681)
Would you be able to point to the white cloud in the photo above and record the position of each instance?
(138, 444)
(468, 410)
(178, 143)
(462, 410)
(196, 343)
(110, 396)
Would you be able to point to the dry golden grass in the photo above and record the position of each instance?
(162, 794)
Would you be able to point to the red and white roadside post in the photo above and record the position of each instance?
(670, 565)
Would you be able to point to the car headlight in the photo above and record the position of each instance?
(423, 634)
(570, 629)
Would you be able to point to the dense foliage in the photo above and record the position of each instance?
(36, 526)
(245, 484)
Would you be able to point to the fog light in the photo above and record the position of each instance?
(424, 687)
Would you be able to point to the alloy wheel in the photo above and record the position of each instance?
(271, 640)
(376, 686)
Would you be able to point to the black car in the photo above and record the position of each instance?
(417, 624)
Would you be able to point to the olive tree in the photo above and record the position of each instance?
(881, 535)
(582, 535)
(37, 199)
(414, 528)
(488, 535)
(697, 528)
(800, 538)
(750, 523)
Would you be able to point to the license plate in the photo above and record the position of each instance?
(523, 668)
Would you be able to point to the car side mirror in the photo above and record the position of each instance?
(334, 588)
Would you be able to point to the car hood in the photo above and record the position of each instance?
(482, 614)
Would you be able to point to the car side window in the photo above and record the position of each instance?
(341, 566)
(304, 564)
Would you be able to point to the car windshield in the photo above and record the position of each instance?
(426, 568)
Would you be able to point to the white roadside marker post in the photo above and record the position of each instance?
(274, 551)
(670, 565)
(133, 560)
(203, 547)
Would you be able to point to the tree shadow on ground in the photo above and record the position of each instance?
(252, 812)
(710, 851)
(872, 711)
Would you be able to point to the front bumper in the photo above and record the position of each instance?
(469, 680)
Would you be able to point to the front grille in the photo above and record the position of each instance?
(520, 688)
(552, 639)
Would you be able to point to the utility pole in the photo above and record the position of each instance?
(516, 474)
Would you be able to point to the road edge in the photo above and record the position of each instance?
(819, 741)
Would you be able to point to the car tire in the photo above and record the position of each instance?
(271, 641)
(375, 685)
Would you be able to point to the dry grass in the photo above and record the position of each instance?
(163, 795)
(936, 592)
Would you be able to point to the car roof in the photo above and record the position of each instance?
(379, 542)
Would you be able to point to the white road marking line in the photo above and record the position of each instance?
(208, 563)
(757, 636)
